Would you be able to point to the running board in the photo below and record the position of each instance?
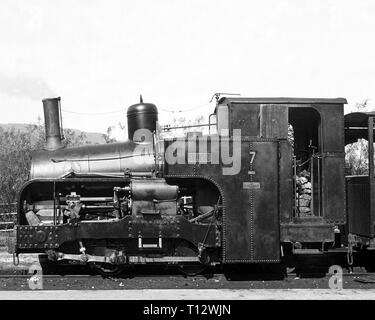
(85, 258)
(142, 260)
(307, 251)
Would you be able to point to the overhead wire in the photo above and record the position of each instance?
(93, 114)
(122, 110)
(182, 111)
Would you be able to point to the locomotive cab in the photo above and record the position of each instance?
(311, 185)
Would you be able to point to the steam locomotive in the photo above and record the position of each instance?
(267, 186)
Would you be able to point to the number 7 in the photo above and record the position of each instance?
(252, 156)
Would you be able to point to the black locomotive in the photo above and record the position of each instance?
(269, 185)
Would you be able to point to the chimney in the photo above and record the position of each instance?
(52, 122)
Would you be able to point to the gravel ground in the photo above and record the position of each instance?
(179, 282)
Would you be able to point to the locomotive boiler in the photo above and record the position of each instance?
(266, 187)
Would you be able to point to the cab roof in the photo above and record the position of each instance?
(284, 100)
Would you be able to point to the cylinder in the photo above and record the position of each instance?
(52, 124)
(142, 118)
(153, 190)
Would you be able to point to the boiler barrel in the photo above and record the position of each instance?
(112, 158)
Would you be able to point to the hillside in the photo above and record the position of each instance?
(91, 137)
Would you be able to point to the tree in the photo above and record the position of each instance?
(356, 154)
(107, 136)
(15, 149)
(71, 139)
(182, 122)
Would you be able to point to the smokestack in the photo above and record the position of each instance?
(52, 123)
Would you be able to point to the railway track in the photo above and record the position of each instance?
(306, 271)
(254, 276)
(161, 277)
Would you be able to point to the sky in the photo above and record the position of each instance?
(99, 56)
